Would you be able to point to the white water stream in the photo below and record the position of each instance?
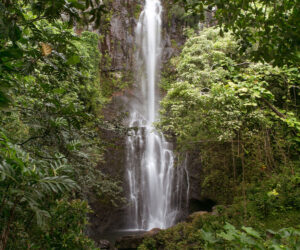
(155, 184)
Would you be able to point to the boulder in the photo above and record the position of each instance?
(152, 232)
(104, 244)
(133, 241)
(194, 215)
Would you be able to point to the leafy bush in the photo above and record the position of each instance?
(50, 109)
(239, 122)
(212, 232)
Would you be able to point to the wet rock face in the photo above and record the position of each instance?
(173, 32)
(195, 175)
(119, 34)
(106, 216)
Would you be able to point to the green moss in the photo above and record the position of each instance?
(113, 82)
(137, 10)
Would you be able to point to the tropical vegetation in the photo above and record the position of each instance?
(231, 104)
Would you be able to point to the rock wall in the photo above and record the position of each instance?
(118, 38)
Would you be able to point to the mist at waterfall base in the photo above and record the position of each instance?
(157, 188)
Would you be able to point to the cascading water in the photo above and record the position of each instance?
(155, 185)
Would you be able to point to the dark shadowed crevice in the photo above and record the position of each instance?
(201, 205)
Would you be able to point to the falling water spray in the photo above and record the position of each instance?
(155, 185)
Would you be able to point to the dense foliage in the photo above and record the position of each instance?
(23, 32)
(239, 121)
(214, 81)
(270, 28)
(213, 232)
(231, 105)
(49, 128)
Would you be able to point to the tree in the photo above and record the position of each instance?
(25, 185)
(50, 117)
(218, 106)
(269, 29)
(22, 39)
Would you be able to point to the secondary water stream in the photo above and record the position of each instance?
(155, 184)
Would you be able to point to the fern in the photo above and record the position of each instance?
(26, 183)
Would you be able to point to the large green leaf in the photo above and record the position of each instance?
(75, 59)
(4, 100)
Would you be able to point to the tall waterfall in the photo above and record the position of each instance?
(155, 184)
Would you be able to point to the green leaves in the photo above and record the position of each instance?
(11, 53)
(15, 33)
(4, 100)
(57, 184)
(29, 175)
(208, 237)
(250, 231)
(235, 238)
(78, 5)
(215, 96)
(73, 60)
(50, 110)
(248, 238)
(26, 185)
(238, 120)
(255, 25)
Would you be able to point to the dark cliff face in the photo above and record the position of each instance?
(118, 34)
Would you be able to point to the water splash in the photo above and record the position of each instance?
(155, 185)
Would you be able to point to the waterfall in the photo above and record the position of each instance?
(155, 184)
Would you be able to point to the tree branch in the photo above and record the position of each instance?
(275, 110)
(35, 137)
